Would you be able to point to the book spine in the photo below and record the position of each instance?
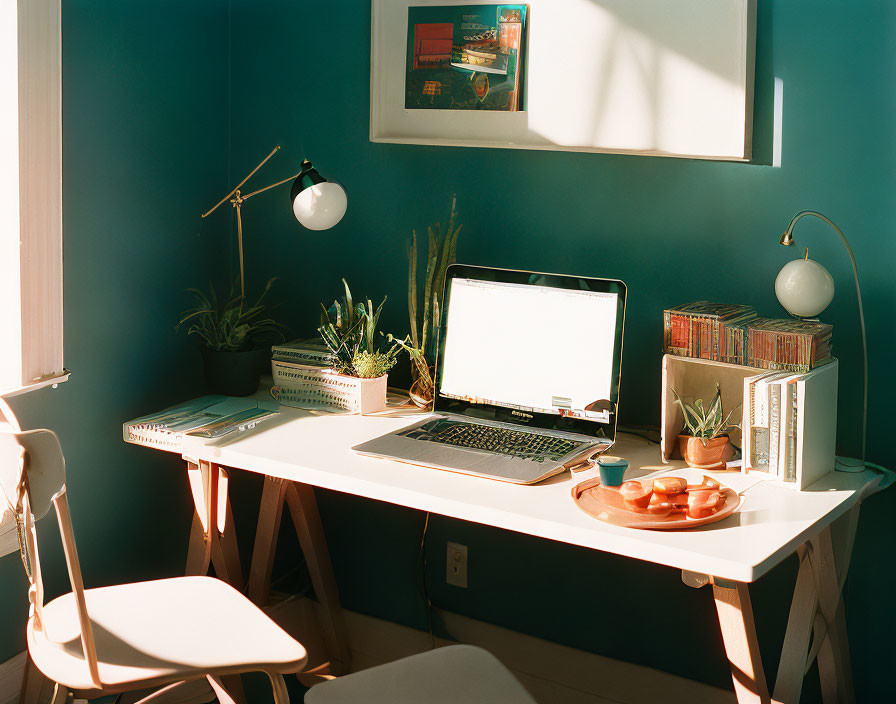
(301, 356)
(793, 405)
(159, 439)
(774, 428)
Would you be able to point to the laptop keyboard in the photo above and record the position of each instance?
(501, 441)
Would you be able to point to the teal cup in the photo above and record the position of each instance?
(612, 469)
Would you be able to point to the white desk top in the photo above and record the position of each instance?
(315, 449)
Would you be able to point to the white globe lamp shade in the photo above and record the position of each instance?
(804, 287)
(318, 204)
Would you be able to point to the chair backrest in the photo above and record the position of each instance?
(32, 478)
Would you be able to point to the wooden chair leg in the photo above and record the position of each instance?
(32, 682)
(220, 690)
(735, 612)
(234, 684)
(270, 513)
(281, 696)
(60, 694)
(312, 540)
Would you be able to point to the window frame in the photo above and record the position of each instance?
(39, 69)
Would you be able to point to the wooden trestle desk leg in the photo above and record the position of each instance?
(209, 486)
(816, 625)
(735, 613)
(306, 518)
(215, 543)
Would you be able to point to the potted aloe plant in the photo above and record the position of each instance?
(420, 343)
(706, 444)
(235, 338)
(349, 331)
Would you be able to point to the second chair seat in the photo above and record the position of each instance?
(150, 632)
(456, 674)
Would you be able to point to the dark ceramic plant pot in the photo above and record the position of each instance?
(234, 373)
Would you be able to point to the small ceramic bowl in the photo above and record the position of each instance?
(612, 469)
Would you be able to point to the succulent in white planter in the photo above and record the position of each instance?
(349, 332)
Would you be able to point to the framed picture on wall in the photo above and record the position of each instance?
(623, 76)
(465, 57)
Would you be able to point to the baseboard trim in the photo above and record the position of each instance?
(553, 673)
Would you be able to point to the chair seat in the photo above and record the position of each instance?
(161, 631)
(451, 675)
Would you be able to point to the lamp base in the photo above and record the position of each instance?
(807, 319)
(850, 466)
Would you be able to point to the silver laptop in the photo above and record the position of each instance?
(527, 376)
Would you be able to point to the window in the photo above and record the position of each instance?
(30, 207)
(30, 195)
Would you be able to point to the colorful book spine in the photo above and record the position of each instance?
(736, 335)
(705, 330)
(789, 345)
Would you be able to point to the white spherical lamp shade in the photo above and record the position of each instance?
(317, 203)
(321, 206)
(804, 287)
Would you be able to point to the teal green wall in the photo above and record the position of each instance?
(145, 135)
(673, 229)
(154, 93)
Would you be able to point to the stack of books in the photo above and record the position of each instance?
(736, 335)
(705, 330)
(789, 424)
(789, 344)
(207, 417)
(311, 351)
(302, 378)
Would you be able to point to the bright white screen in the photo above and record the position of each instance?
(536, 348)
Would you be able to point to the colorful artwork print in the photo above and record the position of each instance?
(466, 57)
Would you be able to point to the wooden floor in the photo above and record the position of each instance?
(553, 674)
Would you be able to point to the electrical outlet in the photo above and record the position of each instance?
(456, 565)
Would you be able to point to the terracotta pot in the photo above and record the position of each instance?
(713, 455)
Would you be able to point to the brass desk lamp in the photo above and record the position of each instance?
(317, 203)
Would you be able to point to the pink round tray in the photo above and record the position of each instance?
(606, 504)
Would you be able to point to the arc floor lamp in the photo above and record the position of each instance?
(317, 203)
(805, 288)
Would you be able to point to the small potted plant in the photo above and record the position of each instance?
(349, 332)
(235, 339)
(706, 444)
(420, 343)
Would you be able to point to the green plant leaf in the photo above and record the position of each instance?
(412, 285)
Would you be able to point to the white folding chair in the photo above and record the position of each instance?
(456, 674)
(161, 633)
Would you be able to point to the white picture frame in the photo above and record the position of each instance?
(648, 77)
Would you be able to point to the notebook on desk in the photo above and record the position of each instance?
(527, 376)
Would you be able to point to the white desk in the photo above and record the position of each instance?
(774, 522)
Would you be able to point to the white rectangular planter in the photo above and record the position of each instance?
(306, 386)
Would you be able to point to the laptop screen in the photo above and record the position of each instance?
(535, 348)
